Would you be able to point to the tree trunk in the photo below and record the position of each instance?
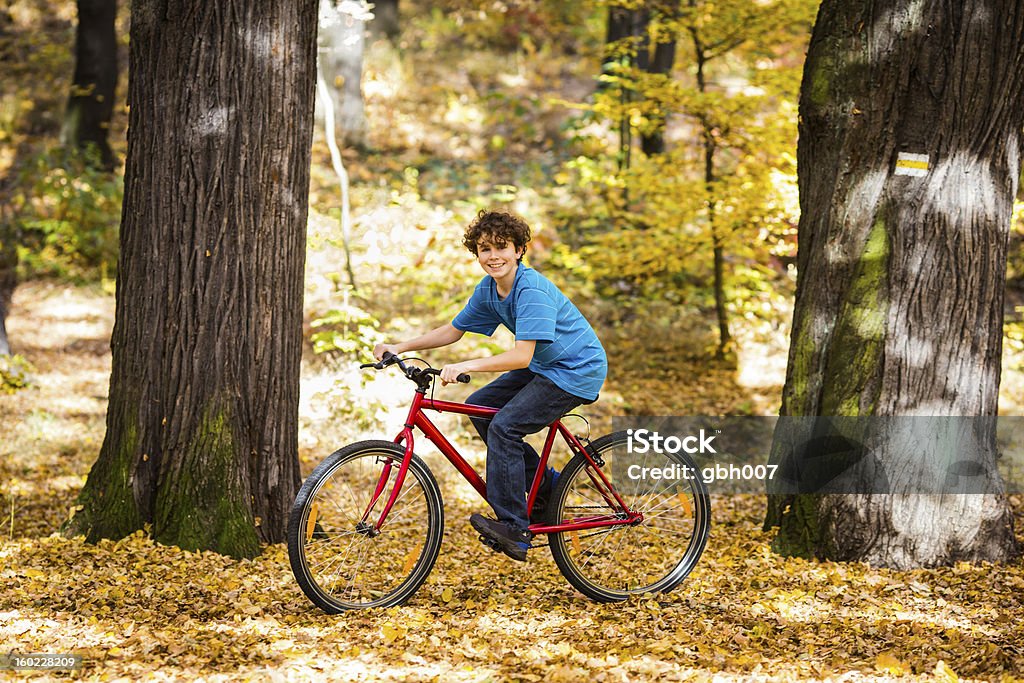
(622, 23)
(201, 435)
(662, 62)
(385, 23)
(8, 276)
(10, 237)
(342, 28)
(710, 180)
(901, 268)
(91, 103)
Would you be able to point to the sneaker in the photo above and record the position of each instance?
(500, 536)
(540, 503)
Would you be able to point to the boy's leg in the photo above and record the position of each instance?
(495, 395)
(537, 404)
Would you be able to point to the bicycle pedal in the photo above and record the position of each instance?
(490, 543)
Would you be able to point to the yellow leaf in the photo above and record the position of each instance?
(390, 633)
(410, 560)
(944, 673)
(447, 595)
(887, 663)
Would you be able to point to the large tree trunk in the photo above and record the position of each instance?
(91, 103)
(202, 422)
(901, 264)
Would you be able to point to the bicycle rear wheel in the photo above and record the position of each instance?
(609, 564)
(340, 560)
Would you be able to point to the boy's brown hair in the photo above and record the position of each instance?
(500, 226)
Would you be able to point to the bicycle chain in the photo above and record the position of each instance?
(583, 507)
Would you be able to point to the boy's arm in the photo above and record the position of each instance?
(440, 336)
(513, 359)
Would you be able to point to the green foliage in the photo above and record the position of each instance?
(1015, 264)
(347, 330)
(506, 25)
(1013, 336)
(728, 177)
(15, 372)
(67, 212)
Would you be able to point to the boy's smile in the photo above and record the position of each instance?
(499, 262)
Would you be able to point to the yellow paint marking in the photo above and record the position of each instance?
(912, 164)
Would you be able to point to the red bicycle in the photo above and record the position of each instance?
(366, 526)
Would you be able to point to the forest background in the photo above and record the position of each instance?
(683, 260)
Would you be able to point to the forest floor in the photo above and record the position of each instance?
(134, 609)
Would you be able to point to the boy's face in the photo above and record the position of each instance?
(497, 259)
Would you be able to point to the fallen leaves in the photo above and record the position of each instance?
(134, 609)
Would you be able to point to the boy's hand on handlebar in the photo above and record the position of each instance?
(380, 349)
(450, 373)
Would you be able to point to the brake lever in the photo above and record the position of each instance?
(387, 359)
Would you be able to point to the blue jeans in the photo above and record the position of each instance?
(528, 402)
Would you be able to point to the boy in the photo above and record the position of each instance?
(557, 363)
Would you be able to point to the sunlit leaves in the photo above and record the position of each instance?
(134, 607)
(728, 175)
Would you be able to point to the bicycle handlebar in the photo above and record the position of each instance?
(391, 359)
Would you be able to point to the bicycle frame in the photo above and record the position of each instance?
(619, 512)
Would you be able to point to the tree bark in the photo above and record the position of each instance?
(8, 276)
(91, 103)
(625, 24)
(10, 238)
(899, 297)
(662, 61)
(201, 438)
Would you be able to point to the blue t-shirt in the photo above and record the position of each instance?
(568, 351)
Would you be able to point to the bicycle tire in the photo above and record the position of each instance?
(328, 546)
(626, 560)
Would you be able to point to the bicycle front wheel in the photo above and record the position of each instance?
(338, 556)
(608, 564)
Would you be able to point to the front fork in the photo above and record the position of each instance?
(364, 526)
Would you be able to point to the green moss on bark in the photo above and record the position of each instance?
(106, 506)
(858, 343)
(820, 83)
(795, 399)
(204, 507)
(849, 385)
(799, 533)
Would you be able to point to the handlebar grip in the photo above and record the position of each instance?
(463, 378)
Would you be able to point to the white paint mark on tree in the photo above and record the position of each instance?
(911, 164)
(214, 121)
